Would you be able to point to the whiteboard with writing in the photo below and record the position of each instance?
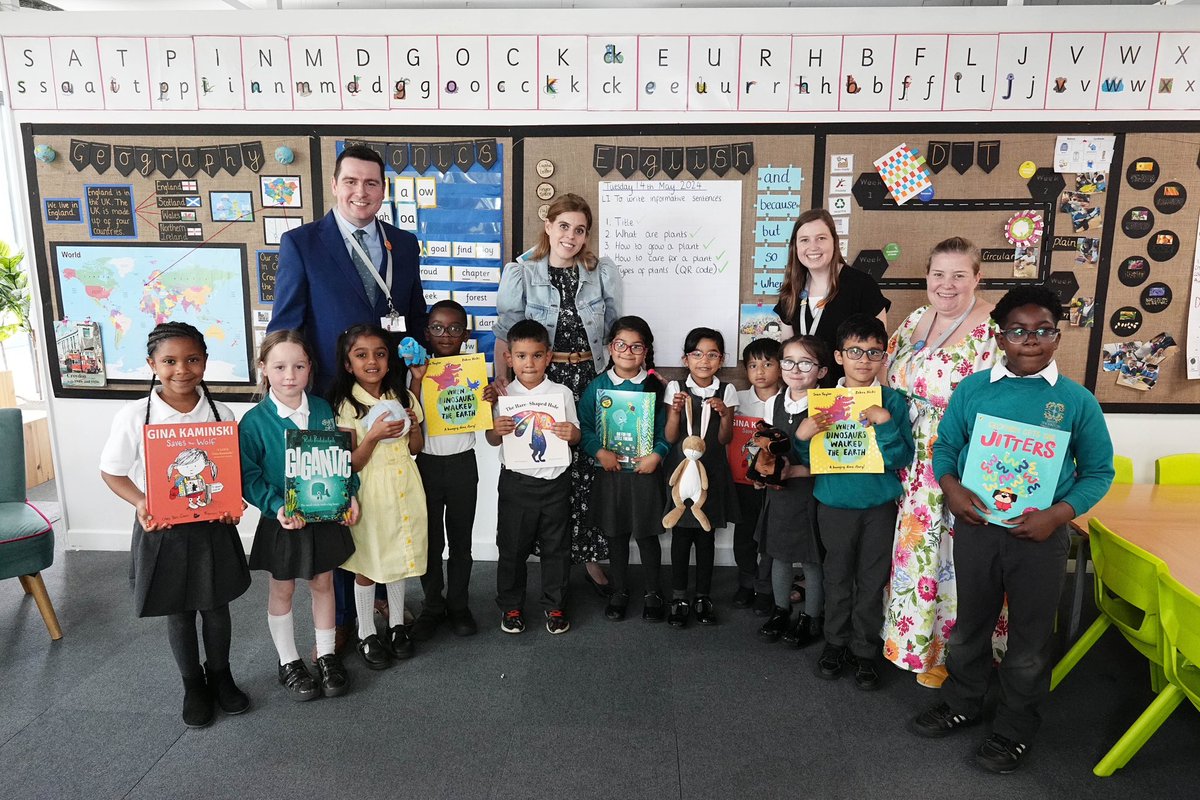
(678, 244)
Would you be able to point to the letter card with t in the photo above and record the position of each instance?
(849, 444)
(317, 475)
(1013, 467)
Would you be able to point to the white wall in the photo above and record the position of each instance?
(96, 519)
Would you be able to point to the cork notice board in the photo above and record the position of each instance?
(137, 226)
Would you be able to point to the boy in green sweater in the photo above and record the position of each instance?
(856, 512)
(1026, 561)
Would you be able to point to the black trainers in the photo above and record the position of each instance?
(618, 602)
(654, 609)
(775, 625)
(557, 622)
(680, 611)
(939, 721)
(702, 607)
(743, 597)
(295, 678)
(804, 631)
(866, 677)
(1000, 754)
(512, 621)
(763, 604)
(833, 658)
(332, 676)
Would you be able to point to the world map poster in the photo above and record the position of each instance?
(129, 288)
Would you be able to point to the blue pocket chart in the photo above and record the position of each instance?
(766, 257)
(772, 232)
(779, 179)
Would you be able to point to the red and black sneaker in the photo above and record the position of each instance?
(557, 622)
(512, 621)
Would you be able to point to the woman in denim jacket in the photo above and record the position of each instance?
(577, 296)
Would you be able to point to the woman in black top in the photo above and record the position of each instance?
(820, 289)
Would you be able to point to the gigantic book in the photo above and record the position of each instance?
(533, 444)
(316, 475)
(452, 395)
(849, 444)
(625, 421)
(80, 353)
(741, 448)
(1013, 467)
(193, 471)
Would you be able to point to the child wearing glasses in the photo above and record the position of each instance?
(787, 526)
(627, 502)
(451, 478)
(856, 511)
(1025, 561)
(709, 417)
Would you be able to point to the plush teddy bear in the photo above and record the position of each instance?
(689, 482)
(768, 463)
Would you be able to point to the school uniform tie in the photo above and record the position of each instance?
(364, 269)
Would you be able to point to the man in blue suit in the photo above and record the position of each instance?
(325, 285)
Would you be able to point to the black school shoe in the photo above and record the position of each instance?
(833, 659)
(618, 602)
(743, 597)
(654, 610)
(462, 622)
(426, 625)
(702, 607)
(295, 678)
(680, 611)
(763, 604)
(399, 643)
(374, 653)
(804, 631)
(332, 676)
(198, 705)
(229, 697)
(866, 677)
(775, 625)
(1000, 754)
(939, 721)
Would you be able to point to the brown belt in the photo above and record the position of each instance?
(571, 358)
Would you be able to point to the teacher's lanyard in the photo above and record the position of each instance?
(920, 344)
(816, 315)
(385, 287)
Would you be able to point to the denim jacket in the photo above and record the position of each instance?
(526, 293)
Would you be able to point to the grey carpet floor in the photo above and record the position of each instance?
(626, 710)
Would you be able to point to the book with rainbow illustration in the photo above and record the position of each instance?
(848, 445)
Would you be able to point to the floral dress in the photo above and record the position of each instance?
(922, 596)
(587, 542)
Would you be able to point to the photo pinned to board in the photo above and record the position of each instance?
(1087, 250)
(1138, 364)
(1091, 182)
(1025, 262)
(1084, 213)
(758, 321)
(1081, 313)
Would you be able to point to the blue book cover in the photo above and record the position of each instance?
(625, 421)
(1013, 467)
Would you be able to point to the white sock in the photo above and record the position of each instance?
(364, 602)
(284, 637)
(395, 593)
(325, 642)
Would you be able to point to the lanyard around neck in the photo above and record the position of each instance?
(921, 344)
(362, 253)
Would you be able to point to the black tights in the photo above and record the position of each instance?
(682, 540)
(618, 563)
(181, 631)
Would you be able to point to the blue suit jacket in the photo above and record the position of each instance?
(319, 292)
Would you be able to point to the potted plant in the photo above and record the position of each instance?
(14, 301)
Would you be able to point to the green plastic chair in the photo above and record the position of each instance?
(1178, 470)
(26, 537)
(1124, 467)
(1126, 596)
(1179, 621)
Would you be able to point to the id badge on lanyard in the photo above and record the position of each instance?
(392, 321)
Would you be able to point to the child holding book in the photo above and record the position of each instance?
(288, 546)
(856, 511)
(390, 536)
(451, 480)
(197, 566)
(1024, 558)
(703, 407)
(761, 358)
(787, 527)
(627, 499)
(534, 502)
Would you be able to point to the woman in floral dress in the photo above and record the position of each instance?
(936, 347)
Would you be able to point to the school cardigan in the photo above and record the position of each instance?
(262, 464)
(867, 490)
(1064, 406)
(590, 435)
